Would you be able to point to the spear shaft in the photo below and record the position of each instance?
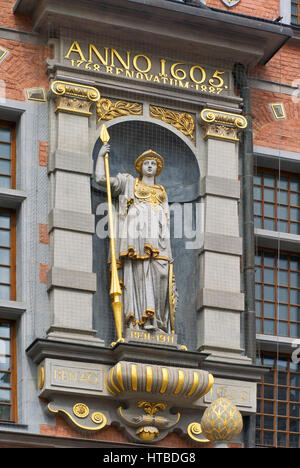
(115, 288)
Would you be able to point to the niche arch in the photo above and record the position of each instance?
(130, 137)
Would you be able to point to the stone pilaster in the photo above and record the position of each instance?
(220, 301)
(71, 281)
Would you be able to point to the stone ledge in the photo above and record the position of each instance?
(11, 309)
(222, 244)
(219, 186)
(71, 221)
(70, 161)
(71, 279)
(227, 300)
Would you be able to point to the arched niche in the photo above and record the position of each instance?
(180, 177)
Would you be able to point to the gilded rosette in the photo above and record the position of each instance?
(127, 378)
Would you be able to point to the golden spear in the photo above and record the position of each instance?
(115, 288)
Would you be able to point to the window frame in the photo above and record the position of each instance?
(12, 127)
(13, 253)
(275, 401)
(276, 319)
(276, 219)
(12, 372)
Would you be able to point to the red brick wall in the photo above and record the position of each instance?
(271, 133)
(111, 434)
(269, 9)
(9, 20)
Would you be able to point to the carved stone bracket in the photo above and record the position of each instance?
(74, 98)
(180, 120)
(108, 110)
(81, 417)
(222, 125)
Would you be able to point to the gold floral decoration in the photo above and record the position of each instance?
(107, 109)
(180, 120)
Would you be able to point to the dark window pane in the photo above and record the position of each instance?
(269, 276)
(4, 363)
(268, 422)
(283, 312)
(269, 310)
(269, 224)
(257, 222)
(282, 393)
(269, 327)
(257, 193)
(282, 409)
(269, 293)
(5, 412)
(269, 392)
(258, 326)
(283, 294)
(5, 135)
(283, 183)
(257, 208)
(294, 280)
(4, 220)
(5, 181)
(295, 199)
(282, 226)
(4, 330)
(268, 438)
(4, 379)
(282, 197)
(294, 296)
(269, 180)
(5, 167)
(4, 256)
(269, 195)
(294, 440)
(4, 238)
(283, 278)
(282, 424)
(283, 212)
(268, 407)
(281, 439)
(4, 292)
(5, 396)
(5, 151)
(283, 329)
(295, 330)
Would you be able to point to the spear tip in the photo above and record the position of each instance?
(104, 135)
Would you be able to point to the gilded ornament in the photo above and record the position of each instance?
(81, 410)
(127, 377)
(147, 433)
(108, 110)
(221, 420)
(194, 430)
(180, 120)
(98, 419)
(151, 408)
(41, 377)
(222, 125)
(74, 98)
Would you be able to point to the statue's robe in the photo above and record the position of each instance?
(144, 252)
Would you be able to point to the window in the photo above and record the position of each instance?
(278, 404)
(7, 371)
(277, 201)
(7, 155)
(295, 12)
(7, 254)
(277, 293)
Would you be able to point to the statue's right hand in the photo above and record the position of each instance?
(104, 149)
